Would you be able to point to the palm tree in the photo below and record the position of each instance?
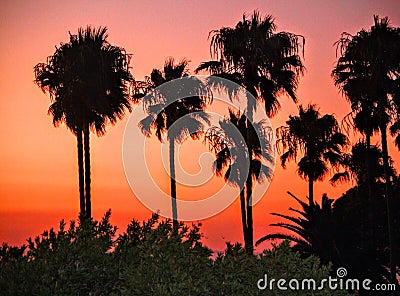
(87, 80)
(233, 153)
(266, 63)
(320, 140)
(372, 58)
(165, 106)
(314, 230)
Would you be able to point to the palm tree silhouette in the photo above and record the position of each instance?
(165, 107)
(233, 151)
(314, 230)
(320, 140)
(371, 57)
(87, 80)
(266, 63)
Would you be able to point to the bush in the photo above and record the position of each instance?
(67, 262)
(149, 258)
(155, 259)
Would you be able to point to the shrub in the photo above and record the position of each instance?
(149, 258)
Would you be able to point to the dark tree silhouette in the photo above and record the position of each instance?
(165, 107)
(368, 69)
(314, 230)
(357, 167)
(87, 80)
(335, 232)
(320, 140)
(233, 151)
(265, 62)
(364, 119)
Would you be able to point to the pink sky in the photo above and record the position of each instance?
(38, 173)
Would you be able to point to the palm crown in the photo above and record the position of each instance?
(87, 81)
(251, 54)
(233, 150)
(165, 106)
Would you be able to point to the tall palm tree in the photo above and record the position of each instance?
(265, 62)
(233, 151)
(87, 80)
(320, 140)
(164, 107)
(372, 57)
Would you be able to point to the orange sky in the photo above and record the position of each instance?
(38, 173)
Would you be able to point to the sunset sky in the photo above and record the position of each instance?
(38, 163)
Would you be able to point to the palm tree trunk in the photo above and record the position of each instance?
(86, 133)
(81, 174)
(389, 207)
(249, 181)
(369, 180)
(243, 211)
(370, 197)
(310, 191)
(249, 189)
(173, 181)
